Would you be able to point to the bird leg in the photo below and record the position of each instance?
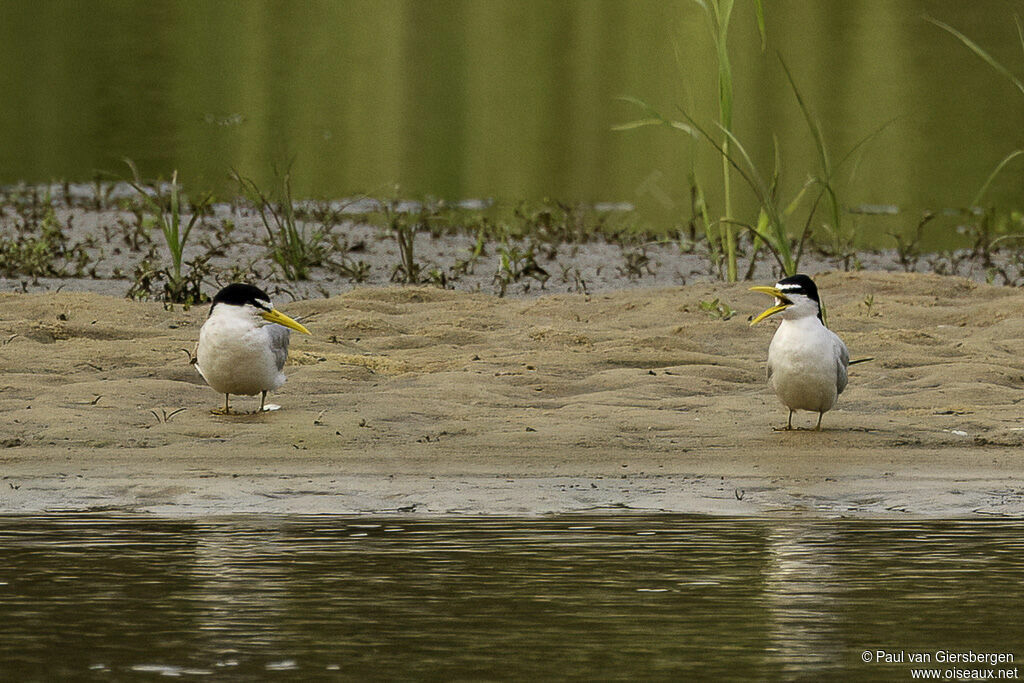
(227, 407)
(263, 398)
(789, 423)
(818, 427)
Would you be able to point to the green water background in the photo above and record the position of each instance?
(509, 100)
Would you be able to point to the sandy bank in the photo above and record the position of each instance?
(430, 401)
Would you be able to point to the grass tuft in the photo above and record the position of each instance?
(166, 209)
(291, 248)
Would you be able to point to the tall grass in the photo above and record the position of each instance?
(167, 212)
(771, 229)
(719, 15)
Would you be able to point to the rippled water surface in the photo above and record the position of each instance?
(637, 597)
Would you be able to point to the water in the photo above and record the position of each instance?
(575, 597)
(510, 100)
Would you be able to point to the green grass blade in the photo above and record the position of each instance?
(864, 140)
(754, 177)
(653, 118)
(992, 176)
(718, 147)
(778, 240)
(723, 14)
(639, 123)
(798, 199)
(759, 9)
(978, 50)
(642, 123)
(812, 124)
(1020, 31)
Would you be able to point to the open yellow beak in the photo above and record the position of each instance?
(779, 296)
(276, 316)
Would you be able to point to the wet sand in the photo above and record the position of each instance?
(424, 401)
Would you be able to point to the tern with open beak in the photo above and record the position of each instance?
(807, 362)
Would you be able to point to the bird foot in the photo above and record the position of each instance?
(222, 411)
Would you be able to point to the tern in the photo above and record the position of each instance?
(243, 344)
(807, 362)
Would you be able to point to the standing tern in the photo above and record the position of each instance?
(243, 344)
(806, 361)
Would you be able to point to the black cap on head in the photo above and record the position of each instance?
(799, 284)
(240, 294)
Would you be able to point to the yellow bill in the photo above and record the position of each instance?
(783, 304)
(276, 316)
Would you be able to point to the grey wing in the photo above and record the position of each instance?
(279, 337)
(842, 361)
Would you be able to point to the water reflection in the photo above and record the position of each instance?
(800, 592)
(664, 597)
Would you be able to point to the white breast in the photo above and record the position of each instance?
(235, 356)
(807, 365)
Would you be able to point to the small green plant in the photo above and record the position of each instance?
(293, 249)
(571, 276)
(166, 210)
(248, 273)
(719, 14)
(717, 309)
(163, 417)
(325, 213)
(101, 191)
(868, 302)
(401, 221)
(150, 281)
(439, 278)
(986, 227)
(908, 247)
(401, 225)
(517, 263)
(637, 263)
(139, 233)
(771, 228)
(408, 270)
(465, 266)
(354, 270)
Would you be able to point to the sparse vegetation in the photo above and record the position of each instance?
(38, 246)
(166, 209)
(294, 250)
